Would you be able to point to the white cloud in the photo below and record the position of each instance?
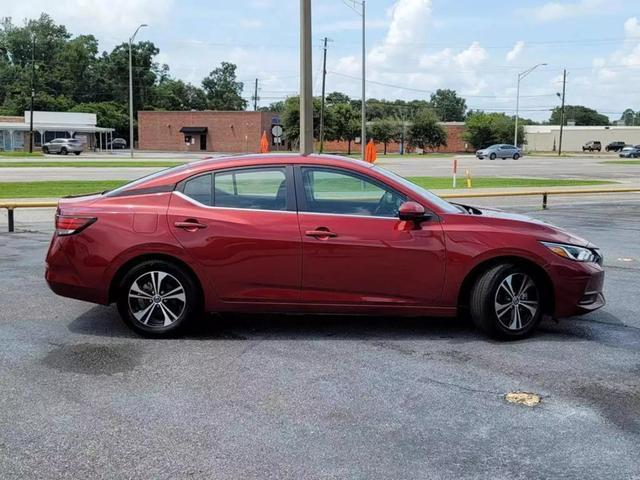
(632, 27)
(556, 10)
(113, 20)
(515, 51)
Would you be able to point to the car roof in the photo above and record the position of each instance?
(176, 174)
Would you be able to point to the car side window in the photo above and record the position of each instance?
(199, 188)
(343, 193)
(254, 188)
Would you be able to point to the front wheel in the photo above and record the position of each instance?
(506, 302)
(64, 151)
(492, 156)
(157, 298)
(45, 150)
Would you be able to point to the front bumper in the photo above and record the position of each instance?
(578, 288)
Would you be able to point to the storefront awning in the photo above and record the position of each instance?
(193, 130)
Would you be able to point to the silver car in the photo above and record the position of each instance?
(501, 150)
(63, 146)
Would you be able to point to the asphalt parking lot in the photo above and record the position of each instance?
(581, 166)
(320, 397)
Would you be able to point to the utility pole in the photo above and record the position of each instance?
(255, 97)
(131, 89)
(521, 75)
(306, 85)
(564, 84)
(324, 76)
(33, 92)
(363, 127)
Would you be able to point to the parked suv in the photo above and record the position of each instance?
(63, 146)
(592, 146)
(615, 146)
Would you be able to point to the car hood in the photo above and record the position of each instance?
(544, 230)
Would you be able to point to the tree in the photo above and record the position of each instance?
(579, 114)
(448, 106)
(173, 94)
(223, 91)
(335, 98)
(346, 124)
(425, 132)
(484, 129)
(109, 114)
(291, 120)
(385, 130)
(630, 118)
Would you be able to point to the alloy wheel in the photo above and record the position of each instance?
(516, 301)
(156, 299)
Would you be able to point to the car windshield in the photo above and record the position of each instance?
(433, 198)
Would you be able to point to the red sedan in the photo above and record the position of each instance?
(292, 233)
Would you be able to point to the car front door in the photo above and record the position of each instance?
(356, 250)
(241, 225)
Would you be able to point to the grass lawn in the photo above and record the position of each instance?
(20, 154)
(382, 156)
(92, 164)
(624, 162)
(54, 189)
(498, 182)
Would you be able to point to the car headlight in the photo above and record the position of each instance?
(573, 252)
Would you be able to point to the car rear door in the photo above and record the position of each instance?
(355, 249)
(241, 225)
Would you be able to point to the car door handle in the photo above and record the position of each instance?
(319, 233)
(191, 225)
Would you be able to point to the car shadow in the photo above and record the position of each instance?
(603, 328)
(104, 321)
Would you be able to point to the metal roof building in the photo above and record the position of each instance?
(14, 131)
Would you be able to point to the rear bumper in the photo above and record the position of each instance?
(65, 279)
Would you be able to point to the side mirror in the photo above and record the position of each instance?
(412, 212)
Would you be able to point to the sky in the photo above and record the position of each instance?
(414, 47)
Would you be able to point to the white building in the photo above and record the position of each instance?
(546, 138)
(14, 131)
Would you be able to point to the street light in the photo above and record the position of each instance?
(131, 88)
(363, 126)
(521, 75)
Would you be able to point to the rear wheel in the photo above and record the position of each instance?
(157, 298)
(77, 153)
(45, 150)
(506, 302)
(516, 156)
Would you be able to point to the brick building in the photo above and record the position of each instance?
(211, 131)
(238, 132)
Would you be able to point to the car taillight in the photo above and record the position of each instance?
(69, 224)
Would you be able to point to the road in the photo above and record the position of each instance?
(587, 166)
(280, 397)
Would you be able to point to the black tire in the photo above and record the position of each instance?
(45, 150)
(492, 156)
(64, 151)
(77, 153)
(492, 306)
(147, 313)
(516, 156)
